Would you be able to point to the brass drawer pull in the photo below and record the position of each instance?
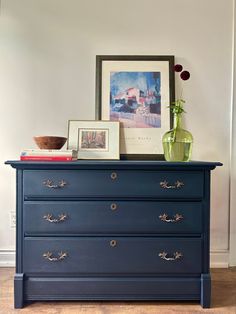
(113, 175)
(165, 185)
(113, 243)
(176, 255)
(61, 218)
(113, 206)
(49, 256)
(51, 185)
(177, 218)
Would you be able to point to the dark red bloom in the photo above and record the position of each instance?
(185, 75)
(178, 68)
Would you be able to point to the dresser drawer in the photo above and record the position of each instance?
(106, 255)
(121, 183)
(104, 217)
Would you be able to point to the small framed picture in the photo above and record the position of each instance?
(94, 139)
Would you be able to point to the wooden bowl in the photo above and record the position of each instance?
(50, 142)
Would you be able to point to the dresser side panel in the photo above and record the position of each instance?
(206, 222)
(19, 221)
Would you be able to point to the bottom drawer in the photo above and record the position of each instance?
(90, 288)
(120, 255)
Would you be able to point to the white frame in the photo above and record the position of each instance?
(110, 127)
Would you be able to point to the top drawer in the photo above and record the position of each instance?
(105, 183)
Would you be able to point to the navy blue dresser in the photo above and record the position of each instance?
(112, 230)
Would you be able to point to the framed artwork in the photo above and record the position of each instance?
(136, 91)
(94, 139)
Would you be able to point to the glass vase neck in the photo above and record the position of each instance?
(177, 120)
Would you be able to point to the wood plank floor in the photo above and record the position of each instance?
(223, 300)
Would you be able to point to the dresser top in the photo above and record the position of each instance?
(113, 164)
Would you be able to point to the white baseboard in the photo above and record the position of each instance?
(7, 258)
(219, 259)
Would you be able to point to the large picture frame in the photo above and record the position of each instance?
(94, 139)
(136, 91)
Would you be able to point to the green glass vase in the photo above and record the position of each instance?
(177, 143)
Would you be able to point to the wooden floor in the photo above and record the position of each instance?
(223, 300)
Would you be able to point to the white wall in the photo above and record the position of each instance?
(47, 76)
(232, 246)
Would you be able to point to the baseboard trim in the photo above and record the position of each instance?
(7, 258)
(219, 259)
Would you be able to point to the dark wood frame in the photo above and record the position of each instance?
(98, 112)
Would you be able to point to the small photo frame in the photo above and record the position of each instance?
(94, 139)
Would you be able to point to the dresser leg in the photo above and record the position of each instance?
(205, 290)
(18, 291)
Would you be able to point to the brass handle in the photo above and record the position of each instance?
(113, 175)
(51, 185)
(165, 185)
(49, 256)
(113, 243)
(113, 206)
(177, 217)
(166, 257)
(61, 218)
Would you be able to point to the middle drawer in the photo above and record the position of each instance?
(105, 217)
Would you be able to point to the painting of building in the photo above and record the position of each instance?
(135, 99)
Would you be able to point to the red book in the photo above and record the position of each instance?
(47, 158)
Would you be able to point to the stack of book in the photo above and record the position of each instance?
(48, 155)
